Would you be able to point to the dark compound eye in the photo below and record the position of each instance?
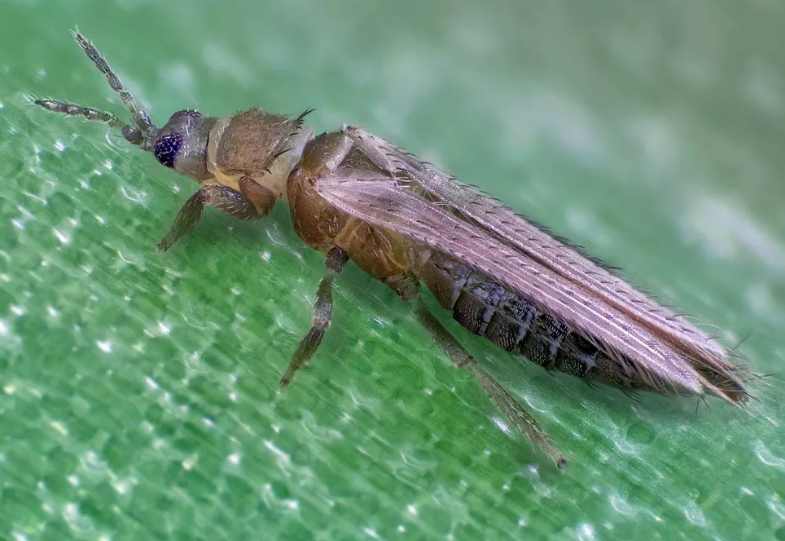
(166, 148)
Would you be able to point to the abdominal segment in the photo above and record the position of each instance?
(488, 309)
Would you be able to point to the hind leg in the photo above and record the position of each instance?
(523, 421)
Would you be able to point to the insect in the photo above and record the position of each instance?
(354, 196)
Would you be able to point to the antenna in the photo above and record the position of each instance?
(141, 130)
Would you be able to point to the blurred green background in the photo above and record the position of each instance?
(137, 389)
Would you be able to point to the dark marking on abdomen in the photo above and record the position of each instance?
(517, 325)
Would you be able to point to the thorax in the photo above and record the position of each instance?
(379, 252)
(246, 145)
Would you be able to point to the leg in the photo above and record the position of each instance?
(322, 315)
(252, 202)
(514, 412)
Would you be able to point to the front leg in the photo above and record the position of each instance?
(322, 315)
(252, 202)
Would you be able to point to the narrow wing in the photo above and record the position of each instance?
(512, 229)
(458, 220)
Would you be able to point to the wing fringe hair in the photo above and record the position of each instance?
(421, 202)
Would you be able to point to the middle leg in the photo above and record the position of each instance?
(322, 315)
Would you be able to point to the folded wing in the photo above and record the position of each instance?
(495, 220)
(388, 204)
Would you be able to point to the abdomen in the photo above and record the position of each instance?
(488, 309)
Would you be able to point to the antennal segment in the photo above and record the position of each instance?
(139, 117)
(72, 109)
(132, 134)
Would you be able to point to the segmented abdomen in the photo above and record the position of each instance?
(508, 320)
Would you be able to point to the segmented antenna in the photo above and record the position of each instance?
(141, 130)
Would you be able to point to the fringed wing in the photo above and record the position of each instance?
(483, 214)
(388, 204)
